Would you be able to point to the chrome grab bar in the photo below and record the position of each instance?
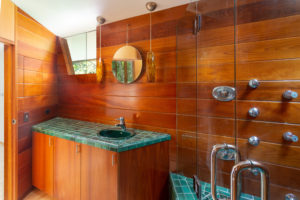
(213, 160)
(235, 183)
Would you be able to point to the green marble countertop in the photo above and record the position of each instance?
(86, 133)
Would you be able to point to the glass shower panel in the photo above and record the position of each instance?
(186, 93)
(215, 68)
(268, 50)
(205, 61)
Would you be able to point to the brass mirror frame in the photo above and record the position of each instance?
(127, 64)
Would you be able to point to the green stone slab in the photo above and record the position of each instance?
(86, 133)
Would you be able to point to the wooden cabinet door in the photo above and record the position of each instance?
(42, 162)
(99, 174)
(7, 20)
(66, 169)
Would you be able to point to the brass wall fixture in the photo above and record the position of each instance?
(150, 60)
(100, 66)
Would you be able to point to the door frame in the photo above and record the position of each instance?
(10, 128)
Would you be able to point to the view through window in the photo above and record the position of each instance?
(83, 52)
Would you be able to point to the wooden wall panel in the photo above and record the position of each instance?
(7, 21)
(150, 106)
(281, 70)
(37, 87)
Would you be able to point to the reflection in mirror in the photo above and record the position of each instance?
(127, 64)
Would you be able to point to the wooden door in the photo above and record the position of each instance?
(42, 162)
(66, 169)
(7, 21)
(99, 172)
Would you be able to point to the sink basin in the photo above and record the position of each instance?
(116, 134)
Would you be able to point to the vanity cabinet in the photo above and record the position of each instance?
(69, 170)
(42, 162)
(66, 164)
(99, 173)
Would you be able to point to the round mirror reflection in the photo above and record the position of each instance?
(127, 64)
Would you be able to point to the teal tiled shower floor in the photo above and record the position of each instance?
(182, 189)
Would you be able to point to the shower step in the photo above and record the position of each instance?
(182, 189)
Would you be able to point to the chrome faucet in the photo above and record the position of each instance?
(122, 124)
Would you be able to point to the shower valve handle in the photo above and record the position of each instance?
(253, 83)
(290, 137)
(253, 112)
(289, 94)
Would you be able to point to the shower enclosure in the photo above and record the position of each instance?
(238, 79)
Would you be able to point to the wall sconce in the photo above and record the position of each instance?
(99, 67)
(150, 60)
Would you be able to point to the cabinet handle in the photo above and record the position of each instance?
(77, 148)
(113, 160)
(50, 143)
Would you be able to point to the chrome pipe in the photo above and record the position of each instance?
(213, 160)
(235, 178)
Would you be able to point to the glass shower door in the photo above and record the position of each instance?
(205, 61)
(186, 93)
(215, 116)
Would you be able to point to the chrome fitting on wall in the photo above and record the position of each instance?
(224, 93)
(289, 94)
(253, 112)
(254, 141)
(254, 83)
(290, 137)
(290, 196)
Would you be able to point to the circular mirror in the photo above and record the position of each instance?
(127, 64)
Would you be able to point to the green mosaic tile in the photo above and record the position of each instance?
(86, 133)
(182, 189)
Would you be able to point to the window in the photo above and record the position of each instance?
(83, 52)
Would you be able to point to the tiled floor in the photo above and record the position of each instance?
(1, 171)
(182, 189)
